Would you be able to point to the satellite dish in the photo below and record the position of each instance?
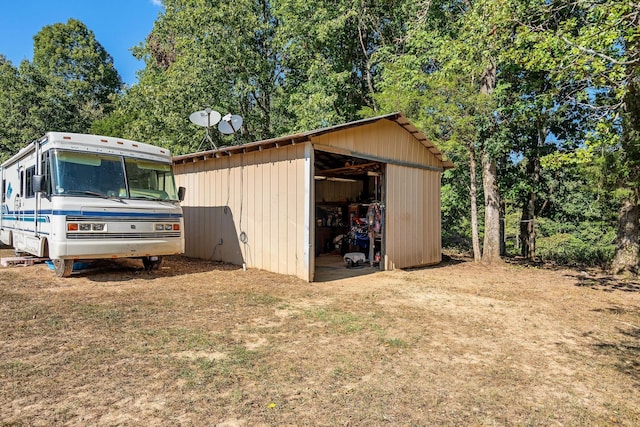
(230, 124)
(206, 118)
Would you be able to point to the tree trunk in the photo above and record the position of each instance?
(626, 257)
(528, 220)
(527, 228)
(491, 246)
(503, 231)
(473, 193)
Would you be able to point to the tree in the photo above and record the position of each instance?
(596, 47)
(26, 106)
(446, 81)
(539, 120)
(79, 72)
(10, 90)
(331, 57)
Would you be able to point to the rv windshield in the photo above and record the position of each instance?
(102, 175)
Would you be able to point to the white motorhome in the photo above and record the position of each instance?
(72, 197)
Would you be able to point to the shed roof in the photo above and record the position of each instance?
(281, 141)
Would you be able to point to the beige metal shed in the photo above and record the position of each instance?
(281, 204)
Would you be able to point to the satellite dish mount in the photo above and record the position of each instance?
(208, 117)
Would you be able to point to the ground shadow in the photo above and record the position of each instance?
(447, 260)
(594, 278)
(626, 350)
(121, 270)
(606, 283)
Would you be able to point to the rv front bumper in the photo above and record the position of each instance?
(120, 248)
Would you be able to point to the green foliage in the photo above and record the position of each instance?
(11, 109)
(332, 54)
(569, 249)
(79, 72)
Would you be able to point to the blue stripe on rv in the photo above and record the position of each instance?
(99, 214)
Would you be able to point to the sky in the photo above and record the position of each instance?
(118, 26)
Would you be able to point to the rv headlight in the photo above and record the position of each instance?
(159, 227)
(97, 227)
(84, 227)
(168, 227)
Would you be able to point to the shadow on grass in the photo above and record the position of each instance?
(587, 277)
(447, 260)
(120, 270)
(626, 350)
(606, 283)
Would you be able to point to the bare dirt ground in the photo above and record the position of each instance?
(199, 343)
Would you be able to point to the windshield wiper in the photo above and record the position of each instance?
(94, 194)
(145, 197)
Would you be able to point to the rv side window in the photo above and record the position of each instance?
(46, 171)
(4, 190)
(28, 190)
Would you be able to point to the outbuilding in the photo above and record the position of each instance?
(365, 193)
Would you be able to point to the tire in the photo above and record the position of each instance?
(151, 264)
(63, 267)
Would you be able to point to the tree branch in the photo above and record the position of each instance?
(599, 54)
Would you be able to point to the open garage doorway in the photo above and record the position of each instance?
(349, 216)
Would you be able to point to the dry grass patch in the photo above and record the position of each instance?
(200, 343)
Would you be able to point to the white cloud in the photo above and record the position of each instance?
(157, 3)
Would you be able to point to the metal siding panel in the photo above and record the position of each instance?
(391, 212)
(308, 194)
(263, 198)
(250, 255)
(261, 212)
(383, 139)
(300, 212)
(417, 255)
(281, 207)
(197, 242)
(413, 211)
(291, 236)
(274, 214)
(261, 218)
(232, 206)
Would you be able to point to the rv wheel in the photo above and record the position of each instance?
(152, 262)
(63, 267)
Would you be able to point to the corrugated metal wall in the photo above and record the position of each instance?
(382, 140)
(260, 194)
(413, 224)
